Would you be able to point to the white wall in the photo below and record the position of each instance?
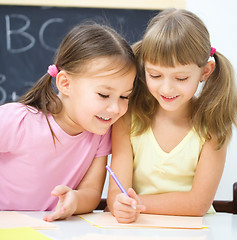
(220, 18)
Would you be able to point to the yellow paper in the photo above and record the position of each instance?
(106, 220)
(24, 233)
(9, 219)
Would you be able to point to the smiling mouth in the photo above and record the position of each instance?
(103, 118)
(169, 99)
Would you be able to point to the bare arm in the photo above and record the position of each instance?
(91, 186)
(122, 165)
(87, 196)
(197, 201)
(122, 159)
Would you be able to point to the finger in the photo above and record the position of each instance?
(133, 195)
(58, 214)
(140, 208)
(121, 207)
(125, 220)
(60, 190)
(48, 218)
(128, 201)
(124, 214)
(125, 200)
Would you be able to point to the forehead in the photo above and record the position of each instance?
(176, 67)
(107, 66)
(105, 74)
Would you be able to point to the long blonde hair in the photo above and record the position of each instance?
(179, 36)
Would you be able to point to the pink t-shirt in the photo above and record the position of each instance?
(31, 166)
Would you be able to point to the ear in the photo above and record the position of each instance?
(207, 70)
(63, 82)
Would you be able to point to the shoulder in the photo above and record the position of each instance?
(196, 137)
(16, 112)
(12, 112)
(12, 107)
(212, 145)
(13, 123)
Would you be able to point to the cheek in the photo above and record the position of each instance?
(191, 90)
(152, 87)
(123, 107)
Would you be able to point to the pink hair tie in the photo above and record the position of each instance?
(213, 50)
(52, 70)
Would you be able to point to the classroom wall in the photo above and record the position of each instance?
(220, 18)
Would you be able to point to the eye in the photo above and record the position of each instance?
(103, 95)
(154, 76)
(122, 97)
(182, 79)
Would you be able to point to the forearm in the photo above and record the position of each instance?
(111, 199)
(176, 203)
(87, 200)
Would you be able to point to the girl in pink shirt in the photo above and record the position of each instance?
(56, 144)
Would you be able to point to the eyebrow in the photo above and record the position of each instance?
(130, 90)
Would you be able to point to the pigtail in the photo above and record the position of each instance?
(215, 110)
(43, 97)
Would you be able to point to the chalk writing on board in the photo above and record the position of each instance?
(42, 30)
(3, 94)
(29, 37)
(22, 32)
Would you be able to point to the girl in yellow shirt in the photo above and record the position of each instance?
(169, 150)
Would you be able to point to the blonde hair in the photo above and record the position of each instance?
(179, 36)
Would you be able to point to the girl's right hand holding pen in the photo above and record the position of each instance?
(124, 211)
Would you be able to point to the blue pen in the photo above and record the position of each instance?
(117, 182)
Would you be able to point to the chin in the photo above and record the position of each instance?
(100, 131)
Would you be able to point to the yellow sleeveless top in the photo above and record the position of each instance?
(155, 171)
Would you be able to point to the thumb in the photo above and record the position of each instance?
(60, 190)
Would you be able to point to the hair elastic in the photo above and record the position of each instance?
(213, 50)
(52, 70)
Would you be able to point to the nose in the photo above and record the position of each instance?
(166, 86)
(113, 107)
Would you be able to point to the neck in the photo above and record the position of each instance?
(180, 116)
(67, 124)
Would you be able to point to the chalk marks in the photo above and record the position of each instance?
(3, 93)
(21, 32)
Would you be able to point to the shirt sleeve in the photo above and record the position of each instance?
(104, 148)
(11, 118)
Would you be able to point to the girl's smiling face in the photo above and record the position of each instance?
(95, 100)
(173, 87)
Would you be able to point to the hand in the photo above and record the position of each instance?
(67, 203)
(123, 210)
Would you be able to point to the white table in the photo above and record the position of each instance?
(220, 226)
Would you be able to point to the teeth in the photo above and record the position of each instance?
(105, 119)
(170, 97)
